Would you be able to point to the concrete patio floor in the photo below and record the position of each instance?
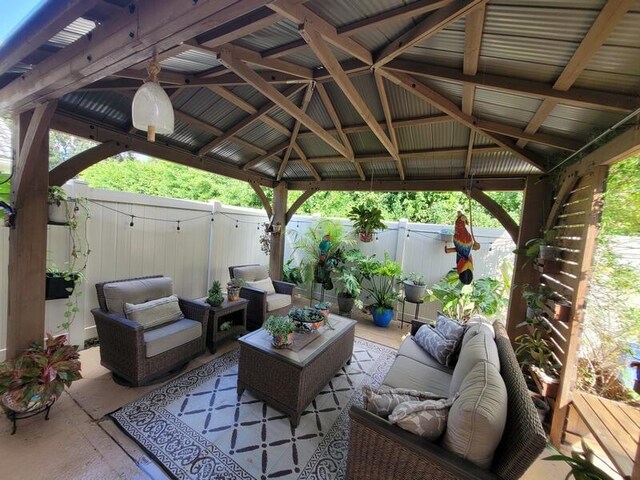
(80, 441)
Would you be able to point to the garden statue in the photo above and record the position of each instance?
(463, 242)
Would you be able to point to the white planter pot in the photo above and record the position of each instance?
(58, 213)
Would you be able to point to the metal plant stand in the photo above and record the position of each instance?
(415, 317)
(14, 416)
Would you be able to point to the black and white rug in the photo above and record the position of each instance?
(197, 427)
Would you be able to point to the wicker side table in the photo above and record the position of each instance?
(234, 312)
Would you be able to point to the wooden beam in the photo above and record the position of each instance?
(563, 193)
(419, 7)
(28, 239)
(542, 138)
(232, 98)
(276, 256)
(258, 160)
(263, 199)
(433, 185)
(137, 143)
(287, 153)
(409, 122)
(429, 153)
(495, 209)
(382, 93)
(445, 105)
(241, 27)
(301, 14)
(110, 48)
(333, 115)
(326, 57)
(469, 159)
(284, 103)
(245, 122)
(589, 236)
(306, 163)
(603, 25)
(46, 22)
(579, 97)
(83, 160)
(306, 195)
(429, 26)
(169, 53)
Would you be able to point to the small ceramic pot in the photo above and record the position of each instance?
(233, 293)
(282, 341)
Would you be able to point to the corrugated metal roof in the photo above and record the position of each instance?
(432, 136)
(296, 171)
(499, 164)
(578, 122)
(6, 154)
(191, 61)
(336, 169)
(72, 32)
(262, 135)
(404, 105)
(232, 153)
(378, 170)
(441, 166)
(275, 35)
(110, 108)
(315, 147)
(365, 143)
(318, 112)
(203, 104)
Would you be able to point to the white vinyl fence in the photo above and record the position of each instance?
(211, 238)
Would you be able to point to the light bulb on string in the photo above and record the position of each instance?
(236, 223)
(178, 228)
(131, 224)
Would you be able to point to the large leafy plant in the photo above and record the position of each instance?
(382, 278)
(484, 296)
(41, 373)
(366, 219)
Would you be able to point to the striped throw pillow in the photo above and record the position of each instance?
(154, 312)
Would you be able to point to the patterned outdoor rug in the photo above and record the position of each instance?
(197, 427)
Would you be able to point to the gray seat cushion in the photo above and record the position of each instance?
(162, 339)
(481, 347)
(412, 350)
(277, 300)
(408, 373)
(135, 291)
(251, 273)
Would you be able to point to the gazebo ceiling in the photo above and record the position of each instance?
(335, 93)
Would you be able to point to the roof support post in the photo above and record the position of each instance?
(535, 204)
(28, 239)
(276, 258)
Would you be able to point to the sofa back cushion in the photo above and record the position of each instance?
(154, 312)
(251, 273)
(116, 294)
(477, 417)
(475, 325)
(265, 284)
(481, 347)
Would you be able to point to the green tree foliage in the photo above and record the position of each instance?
(621, 215)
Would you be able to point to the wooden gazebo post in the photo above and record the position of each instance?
(276, 258)
(28, 239)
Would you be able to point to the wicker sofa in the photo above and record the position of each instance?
(137, 356)
(380, 450)
(261, 301)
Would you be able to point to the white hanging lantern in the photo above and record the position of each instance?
(151, 109)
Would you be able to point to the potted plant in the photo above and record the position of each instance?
(59, 283)
(541, 247)
(233, 289)
(414, 287)
(307, 319)
(533, 351)
(324, 308)
(581, 467)
(215, 297)
(59, 206)
(291, 273)
(35, 379)
(366, 220)
(348, 291)
(382, 277)
(281, 330)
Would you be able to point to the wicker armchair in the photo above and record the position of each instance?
(379, 450)
(260, 301)
(123, 343)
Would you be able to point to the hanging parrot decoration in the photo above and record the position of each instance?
(463, 244)
(325, 264)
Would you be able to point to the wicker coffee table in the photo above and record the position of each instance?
(289, 379)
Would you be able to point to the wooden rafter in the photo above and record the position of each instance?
(579, 97)
(83, 160)
(447, 106)
(382, 93)
(111, 49)
(245, 25)
(258, 160)
(301, 14)
(326, 57)
(263, 199)
(245, 122)
(306, 195)
(56, 16)
(431, 25)
(306, 163)
(104, 133)
(294, 134)
(472, 43)
(272, 93)
(605, 22)
(333, 115)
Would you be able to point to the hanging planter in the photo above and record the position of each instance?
(60, 285)
(59, 206)
(366, 220)
(562, 312)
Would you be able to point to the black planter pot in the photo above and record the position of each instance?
(345, 304)
(58, 287)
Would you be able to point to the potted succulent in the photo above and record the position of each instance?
(233, 289)
(307, 319)
(59, 205)
(366, 220)
(34, 380)
(382, 277)
(215, 297)
(414, 287)
(281, 330)
(324, 308)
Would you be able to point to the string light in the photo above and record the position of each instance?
(178, 229)
(236, 223)
(131, 224)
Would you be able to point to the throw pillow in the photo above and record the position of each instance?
(383, 400)
(434, 343)
(451, 330)
(427, 418)
(155, 312)
(264, 284)
(478, 416)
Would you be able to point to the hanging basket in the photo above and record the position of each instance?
(366, 237)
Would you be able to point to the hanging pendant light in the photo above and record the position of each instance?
(151, 109)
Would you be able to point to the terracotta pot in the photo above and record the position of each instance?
(547, 385)
(562, 312)
(366, 237)
(233, 293)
